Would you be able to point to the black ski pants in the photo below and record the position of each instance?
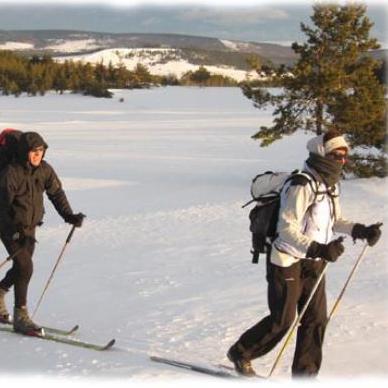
(20, 273)
(288, 290)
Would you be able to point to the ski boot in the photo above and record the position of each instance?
(23, 324)
(242, 365)
(4, 315)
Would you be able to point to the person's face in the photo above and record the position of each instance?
(338, 155)
(35, 156)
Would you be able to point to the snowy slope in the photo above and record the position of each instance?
(159, 61)
(16, 46)
(162, 263)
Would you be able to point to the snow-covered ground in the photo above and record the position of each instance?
(162, 263)
(16, 46)
(74, 45)
(159, 61)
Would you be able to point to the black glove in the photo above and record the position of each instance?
(371, 233)
(75, 219)
(329, 252)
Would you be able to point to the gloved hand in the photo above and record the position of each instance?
(371, 233)
(75, 219)
(329, 252)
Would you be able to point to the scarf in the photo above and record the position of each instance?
(329, 170)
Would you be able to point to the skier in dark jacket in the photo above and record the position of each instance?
(308, 216)
(22, 184)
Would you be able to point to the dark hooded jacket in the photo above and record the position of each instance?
(22, 186)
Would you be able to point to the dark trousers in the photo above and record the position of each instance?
(20, 273)
(288, 290)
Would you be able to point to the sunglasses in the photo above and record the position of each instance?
(338, 156)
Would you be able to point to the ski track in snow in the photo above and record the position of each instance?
(162, 262)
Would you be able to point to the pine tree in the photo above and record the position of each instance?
(332, 84)
(201, 75)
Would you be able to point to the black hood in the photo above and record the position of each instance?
(27, 142)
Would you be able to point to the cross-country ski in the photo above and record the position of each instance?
(53, 335)
(215, 370)
(211, 370)
(49, 329)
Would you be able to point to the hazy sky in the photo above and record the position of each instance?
(275, 21)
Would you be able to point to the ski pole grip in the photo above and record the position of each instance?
(70, 234)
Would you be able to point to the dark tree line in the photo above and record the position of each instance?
(203, 77)
(37, 75)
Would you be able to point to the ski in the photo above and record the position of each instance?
(52, 330)
(213, 370)
(76, 342)
(65, 332)
(63, 339)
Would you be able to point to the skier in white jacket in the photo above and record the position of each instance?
(309, 214)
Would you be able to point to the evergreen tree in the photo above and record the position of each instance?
(333, 83)
(60, 79)
(141, 75)
(201, 75)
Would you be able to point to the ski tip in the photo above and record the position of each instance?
(157, 358)
(109, 344)
(75, 328)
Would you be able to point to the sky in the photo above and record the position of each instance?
(260, 21)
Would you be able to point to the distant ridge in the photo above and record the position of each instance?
(42, 40)
(182, 52)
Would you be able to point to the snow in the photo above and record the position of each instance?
(162, 262)
(73, 45)
(16, 46)
(158, 61)
(235, 45)
(229, 44)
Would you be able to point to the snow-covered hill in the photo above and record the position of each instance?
(162, 262)
(159, 61)
(164, 54)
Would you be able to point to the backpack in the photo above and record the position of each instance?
(265, 190)
(9, 139)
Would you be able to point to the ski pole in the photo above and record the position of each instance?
(358, 261)
(10, 257)
(297, 321)
(54, 269)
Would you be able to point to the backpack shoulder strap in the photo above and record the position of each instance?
(302, 178)
(299, 180)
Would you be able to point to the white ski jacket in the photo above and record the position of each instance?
(304, 217)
